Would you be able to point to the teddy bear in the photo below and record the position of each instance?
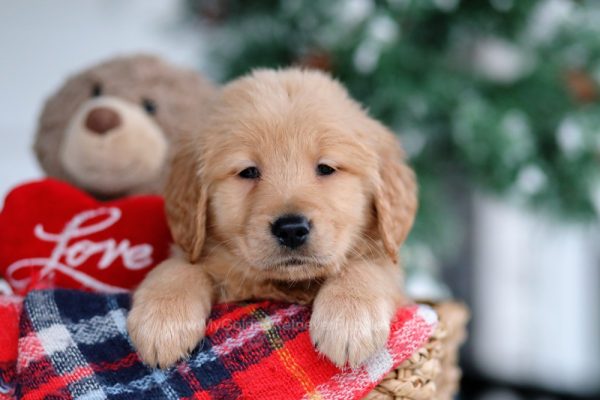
(108, 130)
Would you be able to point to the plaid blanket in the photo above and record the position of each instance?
(10, 309)
(74, 345)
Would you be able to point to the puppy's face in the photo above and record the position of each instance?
(289, 171)
(289, 198)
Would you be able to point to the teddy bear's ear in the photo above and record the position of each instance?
(186, 201)
(53, 121)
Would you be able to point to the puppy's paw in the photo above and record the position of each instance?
(164, 331)
(347, 330)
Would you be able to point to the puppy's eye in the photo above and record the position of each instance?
(324, 169)
(250, 173)
(149, 106)
(96, 90)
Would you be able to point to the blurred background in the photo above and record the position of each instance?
(497, 103)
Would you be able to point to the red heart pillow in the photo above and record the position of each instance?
(54, 235)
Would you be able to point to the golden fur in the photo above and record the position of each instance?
(285, 123)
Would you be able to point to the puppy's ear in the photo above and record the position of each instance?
(395, 193)
(186, 201)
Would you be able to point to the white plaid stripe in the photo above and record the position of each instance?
(99, 328)
(424, 320)
(55, 338)
(379, 364)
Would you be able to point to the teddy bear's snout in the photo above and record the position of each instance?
(102, 119)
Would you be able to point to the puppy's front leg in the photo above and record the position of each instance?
(169, 312)
(352, 312)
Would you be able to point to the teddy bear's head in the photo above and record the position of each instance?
(109, 128)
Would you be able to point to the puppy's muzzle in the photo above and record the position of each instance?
(291, 231)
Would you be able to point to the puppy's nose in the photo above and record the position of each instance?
(291, 230)
(102, 119)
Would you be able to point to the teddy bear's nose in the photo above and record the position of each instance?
(102, 119)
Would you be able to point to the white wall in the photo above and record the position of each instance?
(44, 41)
(536, 298)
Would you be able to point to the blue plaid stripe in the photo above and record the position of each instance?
(47, 321)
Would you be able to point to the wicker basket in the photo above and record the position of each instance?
(432, 373)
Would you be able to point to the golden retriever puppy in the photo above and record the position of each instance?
(288, 191)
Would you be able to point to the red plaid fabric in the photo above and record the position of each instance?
(10, 309)
(74, 345)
